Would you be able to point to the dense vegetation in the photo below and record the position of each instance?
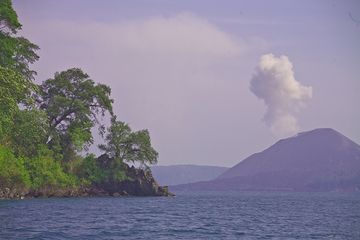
(46, 129)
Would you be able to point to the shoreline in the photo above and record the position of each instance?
(14, 194)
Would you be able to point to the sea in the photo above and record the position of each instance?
(188, 215)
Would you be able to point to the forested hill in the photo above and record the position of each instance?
(41, 141)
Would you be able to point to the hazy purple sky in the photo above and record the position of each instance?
(182, 69)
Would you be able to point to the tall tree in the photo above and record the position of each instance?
(73, 103)
(16, 52)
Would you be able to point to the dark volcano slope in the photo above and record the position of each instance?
(318, 160)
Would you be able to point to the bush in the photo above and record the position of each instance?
(47, 173)
(29, 132)
(92, 171)
(12, 170)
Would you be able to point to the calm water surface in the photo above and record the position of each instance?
(216, 215)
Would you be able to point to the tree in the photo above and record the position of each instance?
(73, 103)
(126, 146)
(16, 53)
(8, 18)
(29, 132)
(14, 89)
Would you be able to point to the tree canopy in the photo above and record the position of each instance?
(127, 146)
(14, 89)
(73, 103)
(17, 53)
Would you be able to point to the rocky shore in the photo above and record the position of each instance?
(139, 183)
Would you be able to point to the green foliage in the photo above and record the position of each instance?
(99, 172)
(12, 170)
(73, 102)
(16, 53)
(37, 173)
(8, 17)
(29, 132)
(92, 171)
(126, 146)
(45, 172)
(118, 140)
(141, 150)
(14, 88)
(118, 172)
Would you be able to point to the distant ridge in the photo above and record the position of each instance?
(181, 174)
(318, 160)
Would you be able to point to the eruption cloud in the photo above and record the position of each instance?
(283, 95)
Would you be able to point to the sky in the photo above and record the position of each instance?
(213, 81)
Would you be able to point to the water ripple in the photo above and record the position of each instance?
(244, 215)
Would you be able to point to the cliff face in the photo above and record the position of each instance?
(139, 183)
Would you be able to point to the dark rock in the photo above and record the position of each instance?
(139, 182)
(116, 194)
(12, 193)
(124, 193)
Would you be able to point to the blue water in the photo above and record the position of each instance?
(245, 215)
